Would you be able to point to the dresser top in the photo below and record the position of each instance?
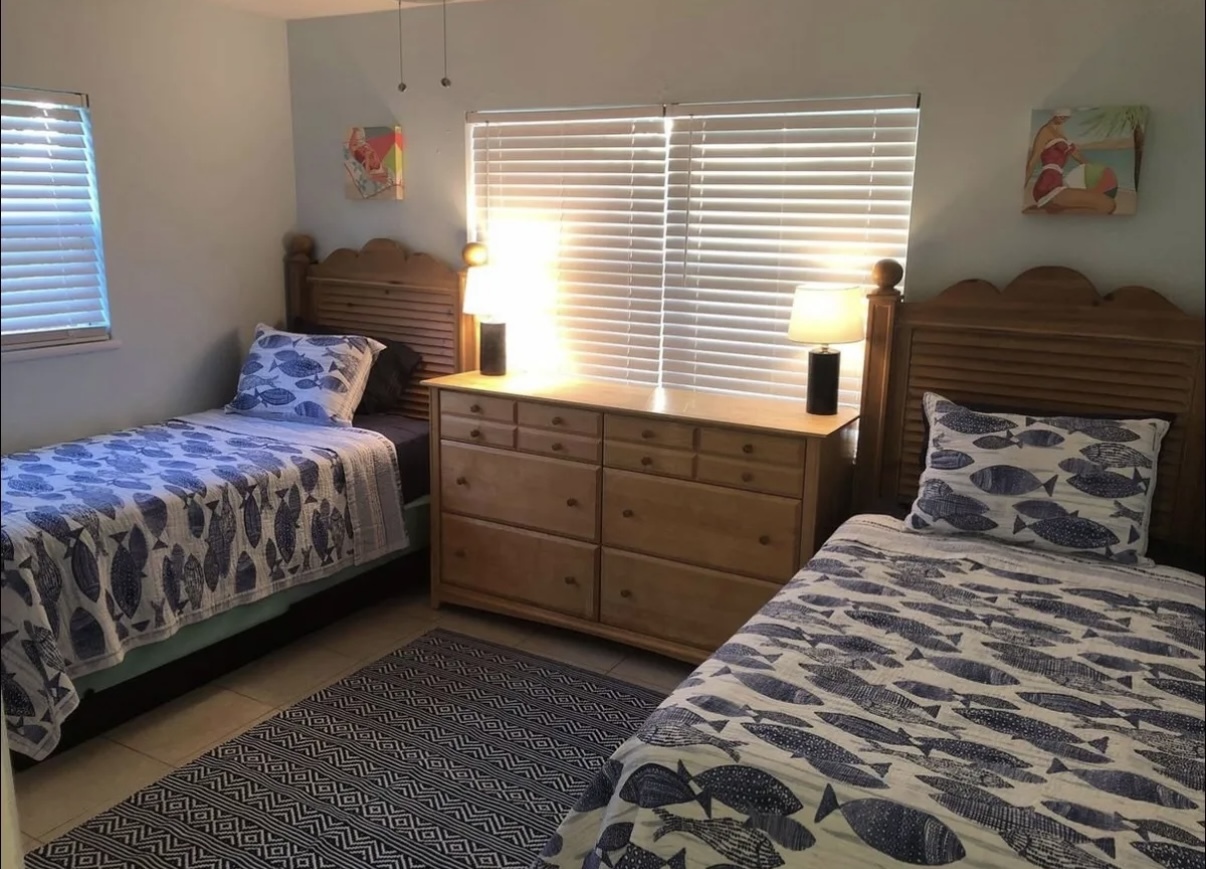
(768, 414)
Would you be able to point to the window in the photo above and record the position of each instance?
(52, 267)
(682, 231)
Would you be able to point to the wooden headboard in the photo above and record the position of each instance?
(1048, 342)
(383, 290)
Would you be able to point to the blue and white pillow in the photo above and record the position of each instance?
(1061, 483)
(314, 379)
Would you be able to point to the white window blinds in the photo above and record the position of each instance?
(684, 230)
(593, 183)
(764, 198)
(52, 270)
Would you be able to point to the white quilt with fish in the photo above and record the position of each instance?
(116, 541)
(913, 699)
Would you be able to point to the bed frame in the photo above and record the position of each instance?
(1048, 342)
(384, 290)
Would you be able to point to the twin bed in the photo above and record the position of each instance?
(945, 699)
(126, 553)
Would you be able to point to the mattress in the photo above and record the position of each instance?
(928, 701)
(412, 441)
(117, 541)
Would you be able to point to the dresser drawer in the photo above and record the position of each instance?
(753, 446)
(755, 476)
(649, 460)
(477, 431)
(559, 445)
(477, 406)
(546, 494)
(695, 522)
(550, 572)
(652, 432)
(690, 605)
(559, 418)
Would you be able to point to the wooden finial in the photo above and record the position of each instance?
(475, 254)
(886, 274)
(299, 246)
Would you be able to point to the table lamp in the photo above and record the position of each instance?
(824, 317)
(483, 299)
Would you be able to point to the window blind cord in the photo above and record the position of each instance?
(445, 81)
(690, 197)
(488, 228)
(401, 68)
(632, 131)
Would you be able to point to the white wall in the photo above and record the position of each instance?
(191, 127)
(11, 843)
(980, 65)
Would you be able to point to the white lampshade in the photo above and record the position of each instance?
(827, 316)
(483, 295)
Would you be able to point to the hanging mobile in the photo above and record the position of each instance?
(445, 81)
(401, 74)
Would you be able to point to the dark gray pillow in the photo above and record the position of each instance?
(389, 378)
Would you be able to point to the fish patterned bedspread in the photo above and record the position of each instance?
(913, 699)
(116, 541)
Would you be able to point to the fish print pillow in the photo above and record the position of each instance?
(1067, 484)
(315, 379)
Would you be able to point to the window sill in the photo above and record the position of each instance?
(17, 355)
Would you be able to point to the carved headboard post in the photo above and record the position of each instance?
(882, 304)
(299, 256)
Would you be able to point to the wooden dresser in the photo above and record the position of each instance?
(661, 518)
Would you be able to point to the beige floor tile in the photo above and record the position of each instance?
(179, 731)
(373, 633)
(81, 782)
(28, 843)
(485, 626)
(579, 650)
(652, 671)
(289, 674)
(417, 607)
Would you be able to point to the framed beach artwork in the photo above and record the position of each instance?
(373, 159)
(1085, 161)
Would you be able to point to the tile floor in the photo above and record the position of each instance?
(69, 789)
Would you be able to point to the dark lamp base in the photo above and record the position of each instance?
(493, 348)
(824, 367)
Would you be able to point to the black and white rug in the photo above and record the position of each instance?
(451, 752)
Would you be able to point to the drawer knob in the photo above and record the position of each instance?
(747, 449)
(746, 477)
(558, 421)
(558, 447)
(569, 580)
(646, 460)
(571, 502)
(475, 408)
(627, 514)
(764, 540)
(476, 433)
(460, 553)
(647, 434)
(462, 481)
(625, 593)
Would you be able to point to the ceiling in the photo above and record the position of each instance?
(323, 8)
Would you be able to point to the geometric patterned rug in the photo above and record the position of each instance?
(449, 753)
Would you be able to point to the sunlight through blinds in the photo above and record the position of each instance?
(682, 231)
(597, 181)
(761, 199)
(52, 263)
